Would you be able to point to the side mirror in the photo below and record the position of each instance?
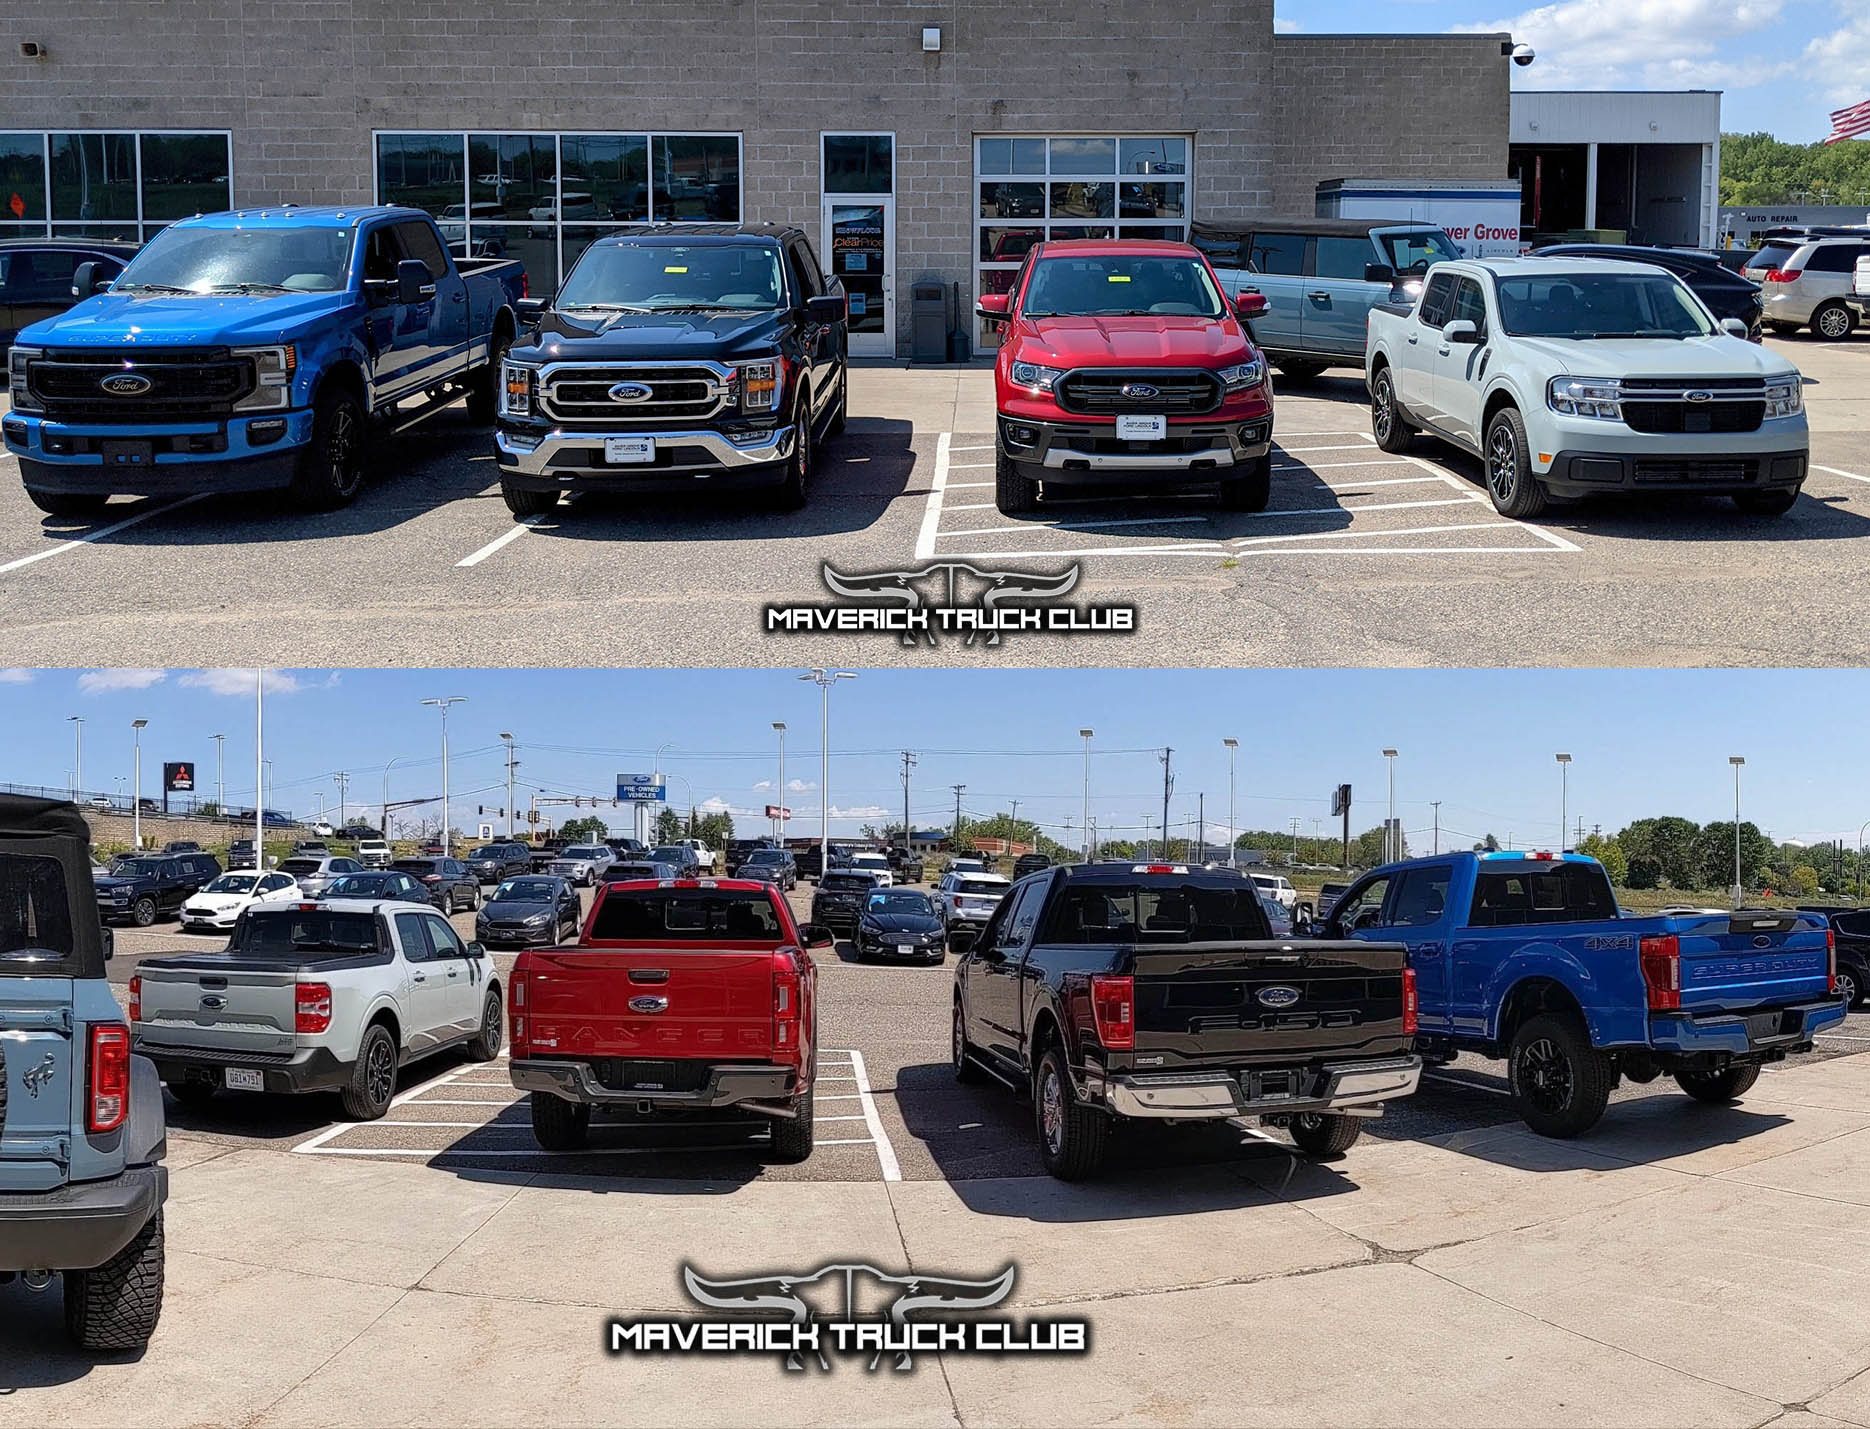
(995, 307)
(1379, 273)
(1461, 331)
(412, 282)
(476, 950)
(85, 282)
(817, 935)
(110, 942)
(1733, 327)
(827, 309)
(530, 310)
(1250, 304)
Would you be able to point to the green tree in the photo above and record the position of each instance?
(1805, 880)
(715, 830)
(668, 825)
(1607, 851)
(1675, 844)
(588, 828)
(1759, 169)
(1490, 844)
(1716, 855)
(1645, 872)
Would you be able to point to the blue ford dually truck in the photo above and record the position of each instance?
(255, 350)
(1527, 957)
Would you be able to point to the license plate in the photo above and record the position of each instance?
(1142, 429)
(904, 949)
(629, 450)
(122, 453)
(245, 1079)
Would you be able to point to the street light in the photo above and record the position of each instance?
(77, 762)
(442, 705)
(1390, 855)
(1085, 735)
(825, 679)
(506, 738)
(1233, 858)
(1739, 892)
(1564, 790)
(386, 795)
(220, 773)
(646, 833)
(137, 726)
(779, 819)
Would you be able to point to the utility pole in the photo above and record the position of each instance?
(1436, 803)
(77, 767)
(1295, 843)
(1233, 857)
(343, 780)
(779, 820)
(958, 790)
(1090, 845)
(1201, 827)
(909, 762)
(506, 738)
(220, 773)
(1168, 783)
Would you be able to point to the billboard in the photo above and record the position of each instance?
(179, 778)
(775, 811)
(641, 789)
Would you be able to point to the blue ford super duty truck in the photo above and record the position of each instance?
(253, 351)
(1527, 957)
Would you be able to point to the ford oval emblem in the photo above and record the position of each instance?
(1762, 941)
(1277, 996)
(1140, 389)
(630, 392)
(126, 384)
(214, 1004)
(649, 1004)
(1697, 396)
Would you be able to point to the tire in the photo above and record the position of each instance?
(483, 403)
(331, 467)
(448, 904)
(194, 1094)
(1766, 503)
(1015, 493)
(1560, 1082)
(522, 502)
(1782, 329)
(486, 1044)
(1300, 369)
(1727, 1085)
(840, 411)
(116, 1306)
(1252, 491)
(1318, 1133)
(559, 1125)
(1851, 985)
(1833, 321)
(1387, 423)
(1072, 1137)
(1516, 492)
(796, 487)
(66, 503)
(961, 1053)
(143, 912)
(373, 1076)
(792, 1136)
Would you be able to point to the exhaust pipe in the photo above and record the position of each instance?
(37, 1281)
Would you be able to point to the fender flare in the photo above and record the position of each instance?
(1552, 963)
(146, 1134)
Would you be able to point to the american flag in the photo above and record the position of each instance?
(1849, 123)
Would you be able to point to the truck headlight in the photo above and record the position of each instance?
(1586, 397)
(273, 369)
(1040, 379)
(517, 382)
(1785, 398)
(18, 391)
(1247, 374)
(760, 384)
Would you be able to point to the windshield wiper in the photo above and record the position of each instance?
(157, 288)
(605, 308)
(703, 308)
(249, 288)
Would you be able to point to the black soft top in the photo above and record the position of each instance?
(33, 831)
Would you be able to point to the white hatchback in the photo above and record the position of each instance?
(216, 907)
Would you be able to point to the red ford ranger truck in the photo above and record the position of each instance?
(1125, 363)
(681, 996)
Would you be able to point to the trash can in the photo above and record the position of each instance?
(928, 301)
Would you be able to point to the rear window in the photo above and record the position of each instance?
(35, 917)
(413, 865)
(847, 882)
(979, 886)
(625, 872)
(280, 934)
(300, 865)
(687, 915)
(1563, 893)
(1157, 913)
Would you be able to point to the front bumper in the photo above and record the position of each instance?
(78, 1226)
(558, 459)
(1258, 1091)
(310, 1069)
(183, 458)
(1588, 473)
(516, 937)
(886, 947)
(725, 1086)
(1089, 453)
(1737, 1035)
(208, 922)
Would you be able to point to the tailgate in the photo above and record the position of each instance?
(647, 1002)
(230, 1008)
(1212, 1004)
(1765, 959)
(41, 1083)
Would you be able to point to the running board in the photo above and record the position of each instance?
(399, 423)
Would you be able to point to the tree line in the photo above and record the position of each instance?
(1759, 169)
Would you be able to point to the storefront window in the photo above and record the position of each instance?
(183, 175)
(512, 176)
(606, 176)
(1152, 156)
(22, 178)
(859, 164)
(94, 181)
(697, 177)
(424, 171)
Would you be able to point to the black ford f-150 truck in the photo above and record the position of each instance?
(676, 359)
(1157, 991)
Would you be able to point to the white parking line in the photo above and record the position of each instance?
(1847, 475)
(986, 448)
(1381, 481)
(886, 1154)
(98, 534)
(312, 1147)
(1070, 524)
(499, 543)
(1557, 542)
(846, 1141)
(931, 513)
(1322, 465)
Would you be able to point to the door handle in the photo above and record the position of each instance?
(457, 297)
(1426, 950)
(418, 977)
(1320, 293)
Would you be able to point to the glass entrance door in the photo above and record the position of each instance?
(860, 236)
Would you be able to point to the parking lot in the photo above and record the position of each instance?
(1681, 1263)
(1362, 558)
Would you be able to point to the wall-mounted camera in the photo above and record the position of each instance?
(31, 50)
(1523, 55)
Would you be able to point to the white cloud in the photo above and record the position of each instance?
(762, 785)
(799, 786)
(123, 677)
(1283, 26)
(1836, 60)
(1657, 44)
(220, 681)
(862, 811)
(15, 675)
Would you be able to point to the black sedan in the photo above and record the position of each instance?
(530, 910)
(1727, 294)
(378, 883)
(900, 923)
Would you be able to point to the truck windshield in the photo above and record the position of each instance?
(35, 917)
(1589, 306)
(317, 930)
(1158, 913)
(1121, 285)
(1412, 252)
(687, 915)
(258, 261)
(662, 277)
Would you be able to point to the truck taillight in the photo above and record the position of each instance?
(516, 1014)
(1411, 1004)
(311, 1008)
(1113, 1009)
(786, 995)
(108, 1087)
(1662, 971)
(136, 998)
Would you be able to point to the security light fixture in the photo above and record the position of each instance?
(931, 39)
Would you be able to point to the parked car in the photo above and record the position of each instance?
(141, 888)
(1850, 933)
(36, 277)
(869, 861)
(1328, 895)
(685, 358)
(838, 901)
(1084, 987)
(968, 863)
(1278, 918)
(1734, 260)
(1123, 361)
(1723, 291)
(529, 909)
(1526, 957)
(311, 848)
(907, 866)
(323, 829)
(542, 854)
(770, 865)
(706, 859)
(82, 1184)
(1277, 887)
(1319, 278)
(1812, 287)
(680, 857)
(181, 846)
(1030, 863)
(315, 873)
(639, 869)
(744, 1039)
(1860, 288)
(448, 881)
(496, 861)
(1599, 377)
(1768, 256)
(240, 852)
(374, 852)
(382, 884)
(333, 996)
(251, 351)
(359, 833)
(583, 864)
(220, 903)
(628, 848)
(900, 923)
(966, 901)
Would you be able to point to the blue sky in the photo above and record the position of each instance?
(1783, 64)
(1482, 742)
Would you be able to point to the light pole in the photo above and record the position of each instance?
(825, 679)
(220, 773)
(1739, 890)
(1564, 793)
(1089, 847)
(259, 770)
(137, 727)
(442, 705)
(343, 780)
(1390, 855)
(909, 762)
(1233, 858)
(779, 819)
(647, 833)
(506, 738)
(77, 758)
(386, 795)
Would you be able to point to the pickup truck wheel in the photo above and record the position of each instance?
(1072, 1136)
(792, 1135)
(1766, 503)
(1560, 1082)
(116, 1306)
(373, 1076)
(1388, 425)
(331, 467)
(799, 471)
(1727, 1085)
(66, 503)
(1516, 492)
(522, 502)
(961, 1052)
(486, 1044)
(143, 912)
(484, 386)
(1833, 321)
(1319, 1133)
(559, 1125)
(1014, 492)
(1252, 491)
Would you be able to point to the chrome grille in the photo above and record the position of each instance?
(1101, 391)
(582, 391)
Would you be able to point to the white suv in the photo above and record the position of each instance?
(1813, 288)
(1277, 887)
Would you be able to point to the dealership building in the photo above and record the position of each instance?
(920, 141)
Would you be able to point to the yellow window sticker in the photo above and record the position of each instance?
(675, 270)
(1119, 277)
